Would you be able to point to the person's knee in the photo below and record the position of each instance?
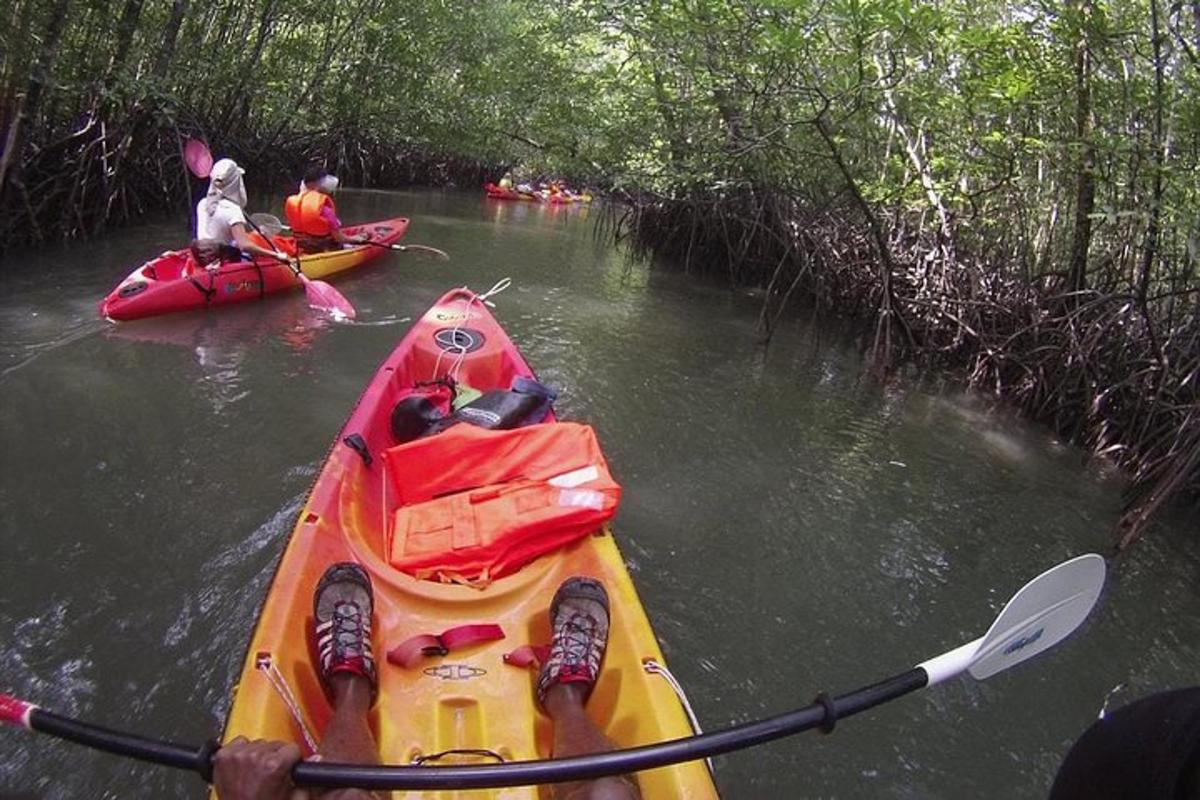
(348, 794)
(611, 788)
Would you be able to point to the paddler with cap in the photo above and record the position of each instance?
(222, 232)
(313, 217)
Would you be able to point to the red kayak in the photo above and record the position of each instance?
(174, 282)
(498, 193)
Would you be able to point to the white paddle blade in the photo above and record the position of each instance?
(1046, 610)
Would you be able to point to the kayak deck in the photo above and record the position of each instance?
(174, 282)
(469, 699)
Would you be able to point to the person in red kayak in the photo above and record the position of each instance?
(221, 230)
(343, 607)
(313, 217)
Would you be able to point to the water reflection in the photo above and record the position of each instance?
(524, 211)
(214, 334)
(220, 341)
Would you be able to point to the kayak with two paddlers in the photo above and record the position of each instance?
(175, 281)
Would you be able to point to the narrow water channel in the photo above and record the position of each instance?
(791, 526)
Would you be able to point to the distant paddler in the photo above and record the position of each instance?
(313, 217)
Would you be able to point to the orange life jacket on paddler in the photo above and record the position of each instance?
(478, 504)
(303, 212)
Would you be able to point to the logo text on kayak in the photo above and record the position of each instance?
(455, 672)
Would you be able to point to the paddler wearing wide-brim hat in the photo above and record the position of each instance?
(222, 233)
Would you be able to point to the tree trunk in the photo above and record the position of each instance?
(238, 107)
(890, 314)
(125, 28)
(1150, 249)
(1085, 175)
(166, 53)
(34, 94)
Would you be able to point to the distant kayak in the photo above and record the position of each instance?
(499, 193)
(174, 282)
(560, 199)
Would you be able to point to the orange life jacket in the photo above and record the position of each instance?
(303, 212)
(478, 504)
(288, 246)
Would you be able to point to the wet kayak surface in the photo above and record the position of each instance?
(792, 527)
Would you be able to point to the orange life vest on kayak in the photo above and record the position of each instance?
(478, 504)
(303, 212)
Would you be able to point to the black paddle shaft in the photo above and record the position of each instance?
(142, 748)
(822, 714)
(619, 762)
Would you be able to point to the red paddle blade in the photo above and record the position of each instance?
(197, 157)
(323, 296)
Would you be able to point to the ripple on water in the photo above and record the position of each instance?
(917, 566)
(35, 669)
(235, 580)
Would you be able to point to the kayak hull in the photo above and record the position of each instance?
(172, 282)
(469, 699)
(497, 193)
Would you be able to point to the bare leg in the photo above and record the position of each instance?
(343, 605)
(348, 738)
(575, 734)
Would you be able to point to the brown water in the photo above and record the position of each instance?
(791, 526)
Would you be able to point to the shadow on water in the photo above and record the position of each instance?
(792, 527)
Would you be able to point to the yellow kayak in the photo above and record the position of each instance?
(469, 699)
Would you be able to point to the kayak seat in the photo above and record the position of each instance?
(475, 504)
(168, 266)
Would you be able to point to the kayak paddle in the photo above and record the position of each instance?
(319, 293)
(1043, 613)
(198, 158)
(419, 249)
(272, 225)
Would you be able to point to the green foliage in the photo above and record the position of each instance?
(974, 100)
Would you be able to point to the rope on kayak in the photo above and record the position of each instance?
(496, 289)
(654, 668)
(477, 752)
(462, 349)
(266, 665)
(209, 292)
